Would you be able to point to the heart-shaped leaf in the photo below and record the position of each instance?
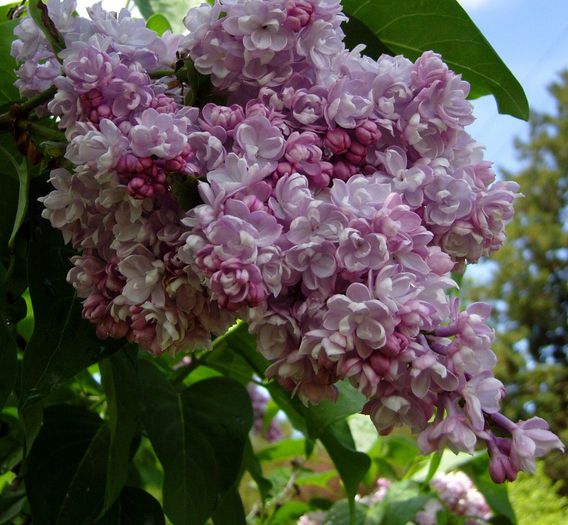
(199, 435)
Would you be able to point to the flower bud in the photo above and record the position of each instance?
(344, 170)
(337, 141)
(367, 133)
(357, 154)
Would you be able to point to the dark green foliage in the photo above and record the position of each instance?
(70, 452)
(134, 507)
(62, 344)
(199, 435)
(119, 375)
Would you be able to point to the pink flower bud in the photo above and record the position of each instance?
(380, 364)
(104, 111)
(396, 343)
(344, 170)
(110, 328)
(337, 141)
(500, 469)
(367, 133)
(299, 13)
(284, 168)
(357, 154)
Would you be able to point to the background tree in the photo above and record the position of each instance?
(529, 286)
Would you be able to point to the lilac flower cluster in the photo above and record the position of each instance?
(455, 493)
(125, 134)
(338, 193)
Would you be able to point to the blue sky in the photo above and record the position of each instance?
(531, 36)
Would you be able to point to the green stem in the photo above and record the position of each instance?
(42, 131)
(26, 107)
(160, 73)
(18, 111)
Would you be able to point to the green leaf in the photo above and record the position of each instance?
(435, 460)
(38, 11)
(158, 23)
(356, 32)
(226, 356)
(174, 11)
(289, 513)
(11, 503)
(145, 8)
(134, 507)
(26, 325)
(318, 479)
(238, 340)
(351, 465)
(403, 501)
(414, 26)
(8, 362)
(292, 408)
(340, 514)
(23, 174)
(349, 401)
(400, 450)
(10, 198)
(119, 377)
(230, 510)
(63, 343)
(252, 464)
(199, 435)
(325, 421)
(283, 449)
(11, 442)
(66, 469)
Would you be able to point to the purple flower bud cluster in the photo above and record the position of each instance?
(259, 399)
(338, 193)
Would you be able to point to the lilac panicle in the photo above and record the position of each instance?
(336, 194)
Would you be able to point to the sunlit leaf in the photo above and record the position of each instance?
(158, 23)
(351, 465)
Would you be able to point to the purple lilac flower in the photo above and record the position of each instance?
(338, 193)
